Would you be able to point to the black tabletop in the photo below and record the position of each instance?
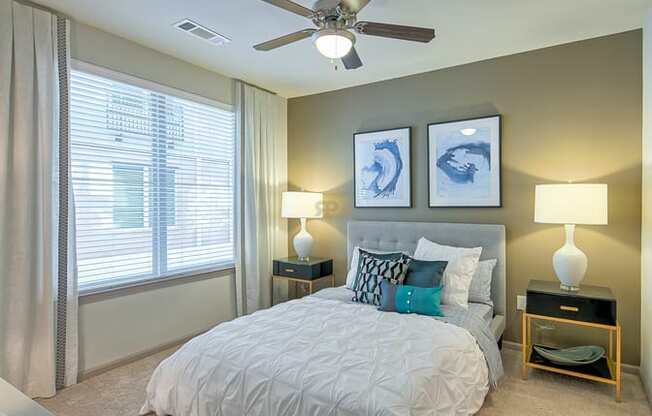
(586, 291)
(310, 262)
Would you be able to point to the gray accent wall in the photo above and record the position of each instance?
(570, 112)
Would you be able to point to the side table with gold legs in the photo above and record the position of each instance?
(310, 272)
(590, 307)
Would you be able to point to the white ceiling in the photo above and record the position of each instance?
(467, 31)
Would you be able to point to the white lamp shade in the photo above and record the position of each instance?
(333, 44)
(302, 205)
(571, 204)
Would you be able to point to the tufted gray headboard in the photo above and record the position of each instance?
(403, 236)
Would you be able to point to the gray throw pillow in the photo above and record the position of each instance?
(480, 289)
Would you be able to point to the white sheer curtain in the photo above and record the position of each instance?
(33, 49)
(262, 132)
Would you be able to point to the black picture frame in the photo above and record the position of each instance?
(499, 202)
(356, 137)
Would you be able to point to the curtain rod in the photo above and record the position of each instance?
(255, 86)
(44, 8)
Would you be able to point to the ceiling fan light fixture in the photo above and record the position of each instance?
(334, 43)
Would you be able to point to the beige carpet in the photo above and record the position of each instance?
(120, 393)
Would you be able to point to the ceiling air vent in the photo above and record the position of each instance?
(202, 32)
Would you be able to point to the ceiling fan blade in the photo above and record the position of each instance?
(352, 60)
(355, 5)
(291, 6)
(284, 40)
(416, 34)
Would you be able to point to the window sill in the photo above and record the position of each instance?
(124, 288)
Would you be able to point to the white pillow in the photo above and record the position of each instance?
(480, 290)
(355, 258)
(462, 263)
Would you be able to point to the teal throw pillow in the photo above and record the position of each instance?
(423, 273)
(410, 299)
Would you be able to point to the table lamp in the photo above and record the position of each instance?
(570, 204)
(302, 205)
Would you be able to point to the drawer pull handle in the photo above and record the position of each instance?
(569, 308)
(289, 270)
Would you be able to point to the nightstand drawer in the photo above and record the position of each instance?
(600, 311)
(310, 270)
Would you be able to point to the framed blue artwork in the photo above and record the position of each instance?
(382, 169)
(464, 163)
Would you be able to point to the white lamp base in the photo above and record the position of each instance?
(570, 262)
(303, 242)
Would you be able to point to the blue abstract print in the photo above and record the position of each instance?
(382, 174)
(382, 168)
(464, 164)
(460, 171)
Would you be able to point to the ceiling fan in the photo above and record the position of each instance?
(335, 19)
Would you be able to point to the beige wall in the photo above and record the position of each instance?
(571, 112)
(97, 47)
(117, 326)
(646, 226)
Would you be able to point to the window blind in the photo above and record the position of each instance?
(153, 180)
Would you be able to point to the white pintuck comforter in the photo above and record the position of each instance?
(316, 356)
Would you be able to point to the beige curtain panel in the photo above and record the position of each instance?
(38, 303)
(261, 120)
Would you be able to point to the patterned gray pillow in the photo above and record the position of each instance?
(372, 271)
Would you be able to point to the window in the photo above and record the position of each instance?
(153, 178)
(128, 195)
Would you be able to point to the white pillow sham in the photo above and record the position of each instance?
(480, 290)
(355, 258)
(462, 264)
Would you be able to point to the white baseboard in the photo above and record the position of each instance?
(647, 387)
(95, 371)
(627, 368)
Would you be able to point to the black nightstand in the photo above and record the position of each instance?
(591, 306)
(291, 269)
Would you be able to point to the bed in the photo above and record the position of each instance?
(403, 236)
(326, 355)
